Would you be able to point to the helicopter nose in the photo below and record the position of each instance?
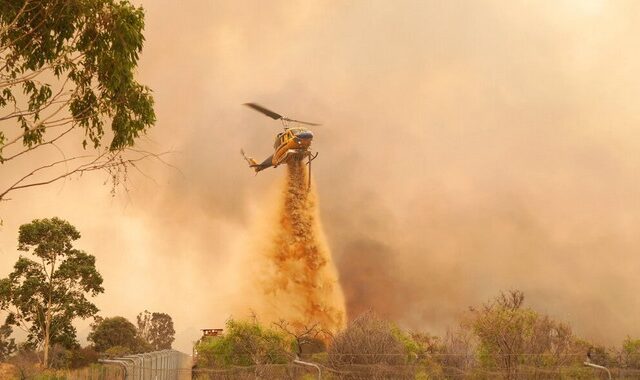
(305, 135)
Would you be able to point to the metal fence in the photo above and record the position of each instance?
(157, 365)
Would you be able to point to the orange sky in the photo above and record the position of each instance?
(467, 147)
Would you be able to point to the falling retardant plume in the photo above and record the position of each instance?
(295, 277)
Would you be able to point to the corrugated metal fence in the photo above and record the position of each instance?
(157, 365)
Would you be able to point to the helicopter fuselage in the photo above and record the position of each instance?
(293, 143)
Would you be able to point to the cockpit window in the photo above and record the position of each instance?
(278, 141)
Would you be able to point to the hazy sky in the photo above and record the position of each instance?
(467, 147)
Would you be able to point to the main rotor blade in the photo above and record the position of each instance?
(301, 122)
(264, 111)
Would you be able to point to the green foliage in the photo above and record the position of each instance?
(156, 329)
(411, 347)
(244, 343)
(7, 344)
(631, 353)
(35, 372)
(92, 46)
(118, 351)
(320, 357)
(81, 357)
(117, 336)
(598, 354)
(64, 358)
(45, 296)
(511, 337)
(48, 238)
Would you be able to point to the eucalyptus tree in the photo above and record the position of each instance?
(67, 78)
(43, 295)
(156, 329)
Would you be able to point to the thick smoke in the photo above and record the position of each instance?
(466, 148)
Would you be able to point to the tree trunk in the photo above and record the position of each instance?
(47, 324)
(47, 318)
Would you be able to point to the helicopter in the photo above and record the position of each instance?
(294, 143)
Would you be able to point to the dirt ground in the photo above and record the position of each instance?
(7, 371)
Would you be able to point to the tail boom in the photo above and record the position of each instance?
(255, 165)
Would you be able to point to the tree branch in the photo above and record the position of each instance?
(113, 160)
(50, 142)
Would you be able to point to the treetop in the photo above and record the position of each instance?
(47, 237)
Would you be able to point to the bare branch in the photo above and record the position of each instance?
(50, 142)
(17, 185)
(105, 161)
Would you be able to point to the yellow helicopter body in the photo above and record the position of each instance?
(293, 143)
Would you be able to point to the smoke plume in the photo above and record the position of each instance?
(466, 148)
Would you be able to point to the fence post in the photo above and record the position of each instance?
(311, 365)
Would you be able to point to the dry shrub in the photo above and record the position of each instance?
(263, 372)
(367, 340)
(518, 341)
(457, 355)
(369, 348)
(8, 371)
(26, 362)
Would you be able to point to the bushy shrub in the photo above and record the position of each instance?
(517, 340)
(63, 358)
(244, 343)
(82, 357)
(367, 340)
(25, 361)
(372, 348)
(414, 350)
(117, 351)
(630, 354)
